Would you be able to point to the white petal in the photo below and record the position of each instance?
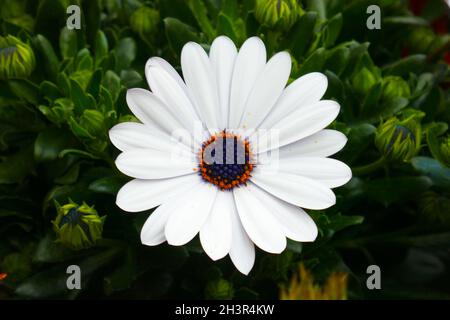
(190, 213)
(131, 135)
(215, 235)
(267, 89)
(296, 223)
(154, 164)
(330, 172)
(297, 190)
(321, 144)
(259, 223)
(158, 62)
(242, 252)
(300, 124)
(152, 232)
(152, 111)
(166, 88)
(222, 55)
(250, 62)
(139, 195)
(201, 82)
(304, 91)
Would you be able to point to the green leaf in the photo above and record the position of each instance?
(357, 52)
(125, 52)
(68, 43)
(51, 62)
(359, 138)
(106, 100)
(78, 130)
(373, 110)
(299, 39)
(84, 61)
(438, 173)
(93, 86)
(49, 90)
(433, 143)
(80, 153)
(25, 90)
(178, 33)
(71, 175)
(339, 222)
(230, 8)
(52, 281)
(108, 185)
(414, 63)
(201, 15)
(80, 100)
(50, 143)
(337, 60)
(14, 168)
(50, 251)
(101, 47)
(130, 78)
(390, 190)
(63, 83)
(314, 62)
(332, 30)
(330, 224)
(370, 108)
(111, 82)
(225, 27)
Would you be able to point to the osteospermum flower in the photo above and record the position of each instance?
(204, 151)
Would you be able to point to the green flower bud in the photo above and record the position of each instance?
(277, 14)
(420, 40)
(78, 227)
(395, 87)
(144, 20)
(445, 151)
(399, 140)
(219, 289)
(363, 80)
(435, 207)
(16, 58)
(93, 121)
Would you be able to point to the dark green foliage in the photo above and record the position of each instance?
(54, 146)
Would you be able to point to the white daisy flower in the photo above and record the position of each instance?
(198, 155)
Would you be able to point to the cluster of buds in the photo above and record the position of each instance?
(277, 14)
(399, 140)
(144, 20)
(78, 226)
(16, 58)
(394, 86)
(363, 80)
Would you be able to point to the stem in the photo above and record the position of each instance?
(368, 168)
